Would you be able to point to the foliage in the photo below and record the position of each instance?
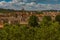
(46, 31)
(33, 21)
(47, 18)
(57, 18)
(39, 12)
(14, 32)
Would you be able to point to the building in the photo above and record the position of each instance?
(23, 16)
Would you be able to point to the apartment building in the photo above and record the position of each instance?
(23, 16)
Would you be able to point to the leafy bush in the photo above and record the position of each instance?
(22, 32)
(57, 18)
(33, 21)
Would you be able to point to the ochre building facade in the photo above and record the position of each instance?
(23, 16)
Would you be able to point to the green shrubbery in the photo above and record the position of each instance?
(46, 31)
(33, 21)
(57, 18)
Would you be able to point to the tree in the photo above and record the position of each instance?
(14, 32)
(57, 18)
(46, 20)
(33, 21)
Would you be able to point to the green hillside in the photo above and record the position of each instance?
(7, 10)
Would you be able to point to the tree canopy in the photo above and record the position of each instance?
(33, 21)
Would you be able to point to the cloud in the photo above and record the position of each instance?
(2, 2)
(18, 4)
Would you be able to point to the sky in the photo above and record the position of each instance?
(30, 4)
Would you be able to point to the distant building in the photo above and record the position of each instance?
(23, 16)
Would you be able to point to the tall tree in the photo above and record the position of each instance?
(33, 21)
(46, 20)
(57, 18)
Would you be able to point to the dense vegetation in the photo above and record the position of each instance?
(6, 10)
(12, 10)
(58, 18)
(33, 21)
(47, 30)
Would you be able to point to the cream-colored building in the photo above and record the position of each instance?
(23, 16)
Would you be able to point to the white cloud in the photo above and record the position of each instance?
(2, 3)
(18, 4)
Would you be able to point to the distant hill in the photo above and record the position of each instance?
(50, 10)
(7, 10)
(11, 10)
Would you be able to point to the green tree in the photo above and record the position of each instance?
(57, 18)
(22, 32)
(46, 20)
(3, 35)
(33, 21)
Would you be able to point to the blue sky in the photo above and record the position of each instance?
(5, 0)
(41, 1)
(30, 4)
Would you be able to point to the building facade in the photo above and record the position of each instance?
(23, 16)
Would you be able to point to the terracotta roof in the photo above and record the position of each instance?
(1, 26)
